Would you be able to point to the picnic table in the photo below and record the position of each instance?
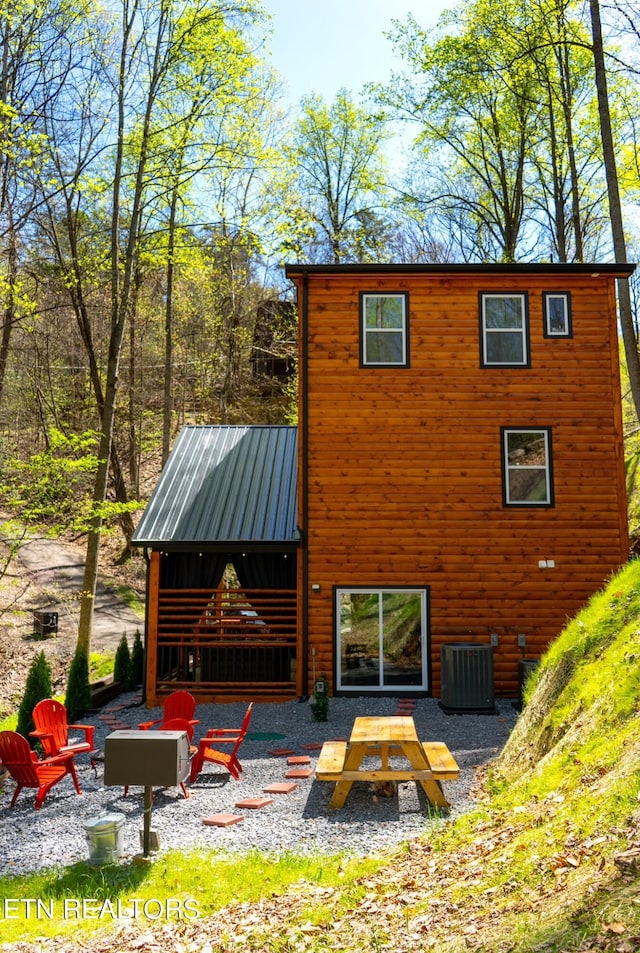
(384, 738)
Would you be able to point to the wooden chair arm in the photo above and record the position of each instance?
(57, 758)
(89, 731)
(41, 734)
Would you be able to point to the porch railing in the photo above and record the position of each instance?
(227, 642)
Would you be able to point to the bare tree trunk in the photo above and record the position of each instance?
(167, 404)
(615, 208)
(9, 315)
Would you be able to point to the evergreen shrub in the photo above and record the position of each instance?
(122, 674)
(38, 687)
(137, 660)
(78, 698)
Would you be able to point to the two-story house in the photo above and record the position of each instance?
(459, 478)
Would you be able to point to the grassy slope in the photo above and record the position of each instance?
(551, 860)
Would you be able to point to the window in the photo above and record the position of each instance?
(381, 639)
(385, 329)
(527, 475)
(504, 323)
(557, 314)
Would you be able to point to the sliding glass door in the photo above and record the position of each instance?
(382, 639)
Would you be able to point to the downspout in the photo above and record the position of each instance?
(304, 482)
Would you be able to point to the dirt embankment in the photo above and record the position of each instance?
(48, 574)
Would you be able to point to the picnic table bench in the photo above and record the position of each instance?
(382, 738)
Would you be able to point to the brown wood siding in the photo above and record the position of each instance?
(404, 464)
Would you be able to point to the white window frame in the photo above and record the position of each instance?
(523, 329)
(403, 297)
(565, 297)
(509, 467)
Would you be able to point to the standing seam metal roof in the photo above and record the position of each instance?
(225, 484)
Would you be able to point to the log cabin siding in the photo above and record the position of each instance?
(403, 465)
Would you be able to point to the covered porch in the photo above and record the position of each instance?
(224, 509)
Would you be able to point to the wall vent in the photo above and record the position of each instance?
(467, 677)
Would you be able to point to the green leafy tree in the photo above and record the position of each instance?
(37, 55)
(337, 161)
(473, 126)
(155, 53)
(502, 99)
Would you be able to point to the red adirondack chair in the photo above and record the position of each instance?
(176, 705)
(25, 769)
(52, 731)
(221, 736)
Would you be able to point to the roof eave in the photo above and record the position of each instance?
(611, 269)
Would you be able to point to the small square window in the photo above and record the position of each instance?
(504, 321)
(385, 329)
(557, 314)
(526, 465)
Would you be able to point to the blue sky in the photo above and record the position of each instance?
(323, 45)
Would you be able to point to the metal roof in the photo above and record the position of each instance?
(225, 485)
(466, 268)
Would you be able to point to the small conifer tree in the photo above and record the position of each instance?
(78, 698)
(137, 660)
(38, 686)
(122, 665)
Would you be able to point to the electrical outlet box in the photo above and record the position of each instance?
(522, 640)
(494, 640)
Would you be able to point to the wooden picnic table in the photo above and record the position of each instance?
(382, 739)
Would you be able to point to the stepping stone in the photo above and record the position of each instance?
(280, 787)
(280, 752)
(222, 820)
(300, 773)
(254, 803)
(313, 746)
(299, 759)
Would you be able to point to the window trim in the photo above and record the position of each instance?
(425, 599)
(549, 502)
(526, 350)
(546, 330)
(363, 295)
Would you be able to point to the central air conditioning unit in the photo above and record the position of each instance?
(467, 677)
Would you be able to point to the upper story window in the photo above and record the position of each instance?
(526, 462)
(557, 314)
(385, 329)
(504, 320)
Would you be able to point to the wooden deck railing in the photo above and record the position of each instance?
(227, 642)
